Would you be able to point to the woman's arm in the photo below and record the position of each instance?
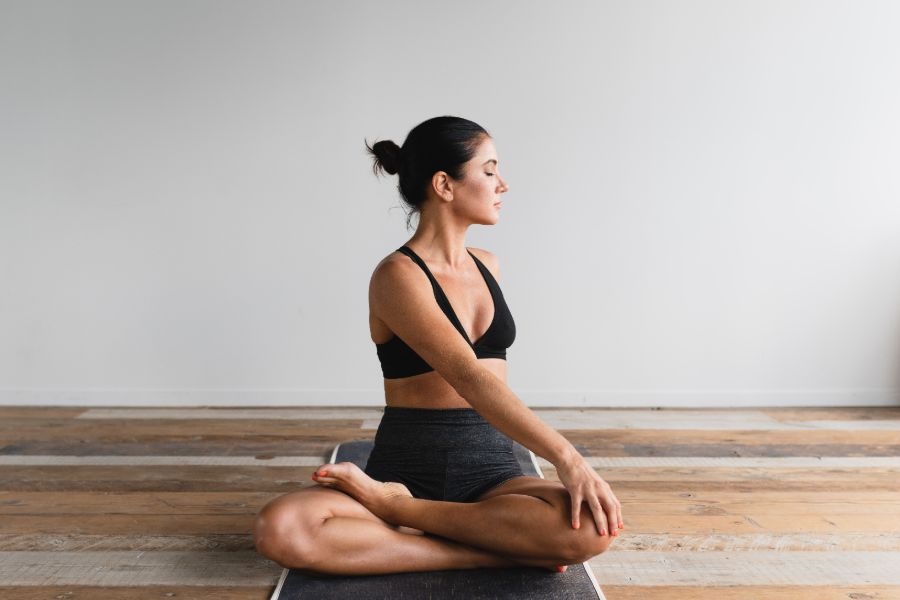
(495, 401)
(401, 295)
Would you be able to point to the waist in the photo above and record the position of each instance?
(442, 428)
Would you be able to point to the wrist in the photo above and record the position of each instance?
(566, 456)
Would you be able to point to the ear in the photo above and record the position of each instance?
(443, 185)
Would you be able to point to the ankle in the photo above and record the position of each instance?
(391, 508)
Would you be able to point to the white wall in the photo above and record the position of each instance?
(703, 205)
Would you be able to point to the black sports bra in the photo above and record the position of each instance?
(399, 360)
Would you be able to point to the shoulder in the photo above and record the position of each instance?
(396, 272)
(489, 259)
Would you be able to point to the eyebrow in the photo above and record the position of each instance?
(493, 160)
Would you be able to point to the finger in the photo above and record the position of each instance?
(615, 521)
(620, 523)
(612, 519)
(576, 512)
(599, 517)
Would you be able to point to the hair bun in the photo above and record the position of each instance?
(387, 153)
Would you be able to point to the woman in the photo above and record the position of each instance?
(442, 488)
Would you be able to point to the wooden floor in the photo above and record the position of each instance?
(763, 504)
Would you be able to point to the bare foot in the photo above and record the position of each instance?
(375, 495)
(536, 562)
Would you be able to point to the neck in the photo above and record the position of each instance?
(441, 243)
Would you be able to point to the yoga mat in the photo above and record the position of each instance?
(533, 583)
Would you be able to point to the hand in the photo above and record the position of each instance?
(584, 485)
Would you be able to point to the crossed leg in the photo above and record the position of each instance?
(326, 531)
(357, 528)
(524, 517)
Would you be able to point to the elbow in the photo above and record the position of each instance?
(468, 378)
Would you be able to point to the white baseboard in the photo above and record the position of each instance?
(195, 397)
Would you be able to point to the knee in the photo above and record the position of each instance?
(278, 535)
(582, 544)
(586, 541)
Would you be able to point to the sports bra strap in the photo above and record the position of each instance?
(441, 297)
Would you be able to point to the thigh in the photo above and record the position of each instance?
(552, 492)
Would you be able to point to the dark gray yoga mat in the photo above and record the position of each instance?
(533, 583)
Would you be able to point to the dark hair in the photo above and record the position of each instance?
(439, 144)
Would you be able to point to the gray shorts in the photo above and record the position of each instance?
(450, 454)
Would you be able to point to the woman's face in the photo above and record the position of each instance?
(478, 195)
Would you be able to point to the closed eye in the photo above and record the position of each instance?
(491, 174)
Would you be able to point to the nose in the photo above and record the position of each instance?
(503, 186)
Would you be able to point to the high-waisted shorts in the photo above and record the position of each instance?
(450, 454)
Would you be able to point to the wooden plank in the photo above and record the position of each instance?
(304, 413)
(767, 462)
(48, 542)
(637, 521)
(9, 413)
(161, 592)
(237, 569)
(600, 462)
(197, 445)
(114, 524)
(640, 480)
(859, 425)
(750, 591)
(632, 542)
(613, 592)
(754, 522)
(602, 447)
(731, 470)
(591, 444)
(837, 413)
(180, 430)
(131, 503)
(65, 478)
(784, 414)
(161, 429)
(162, 461)
(134, 568)
(710, 419)
(776, 541)
(669, 437)
(637, 502)
(738, 568)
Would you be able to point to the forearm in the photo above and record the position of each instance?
(496, 402)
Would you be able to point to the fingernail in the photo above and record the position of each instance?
(323, 473)
(602, 532)
(574, 524)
